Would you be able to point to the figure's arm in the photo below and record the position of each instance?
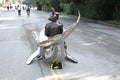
(47, 32)
(60, 28)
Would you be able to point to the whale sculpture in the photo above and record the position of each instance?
(54, 47)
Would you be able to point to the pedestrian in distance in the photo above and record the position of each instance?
(28, 11)
(8, 8)
(19, 10)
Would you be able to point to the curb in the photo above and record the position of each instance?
(101, 22)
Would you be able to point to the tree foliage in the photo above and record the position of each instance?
(94, 9)
(56, 5)
(97, 9)
(47, 4)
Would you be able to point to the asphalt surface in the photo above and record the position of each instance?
(95, 46)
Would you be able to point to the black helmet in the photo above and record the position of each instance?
(54, 16)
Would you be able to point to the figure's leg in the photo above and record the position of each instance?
(68, 57)
(41, 55)
(18, 12)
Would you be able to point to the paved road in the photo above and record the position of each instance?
(95, 46)
(14, 51)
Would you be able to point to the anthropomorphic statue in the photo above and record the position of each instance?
(54, 28)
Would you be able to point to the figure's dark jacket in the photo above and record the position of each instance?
(53, 28)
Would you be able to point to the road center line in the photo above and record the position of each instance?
(56, 76)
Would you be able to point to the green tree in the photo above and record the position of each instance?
(116, 12)
(30, 2)
(56, 5)
(72, 6)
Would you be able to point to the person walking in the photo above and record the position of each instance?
(28, 11)
(19, 10)
(8, 8)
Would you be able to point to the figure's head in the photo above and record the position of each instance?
(54, 16)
